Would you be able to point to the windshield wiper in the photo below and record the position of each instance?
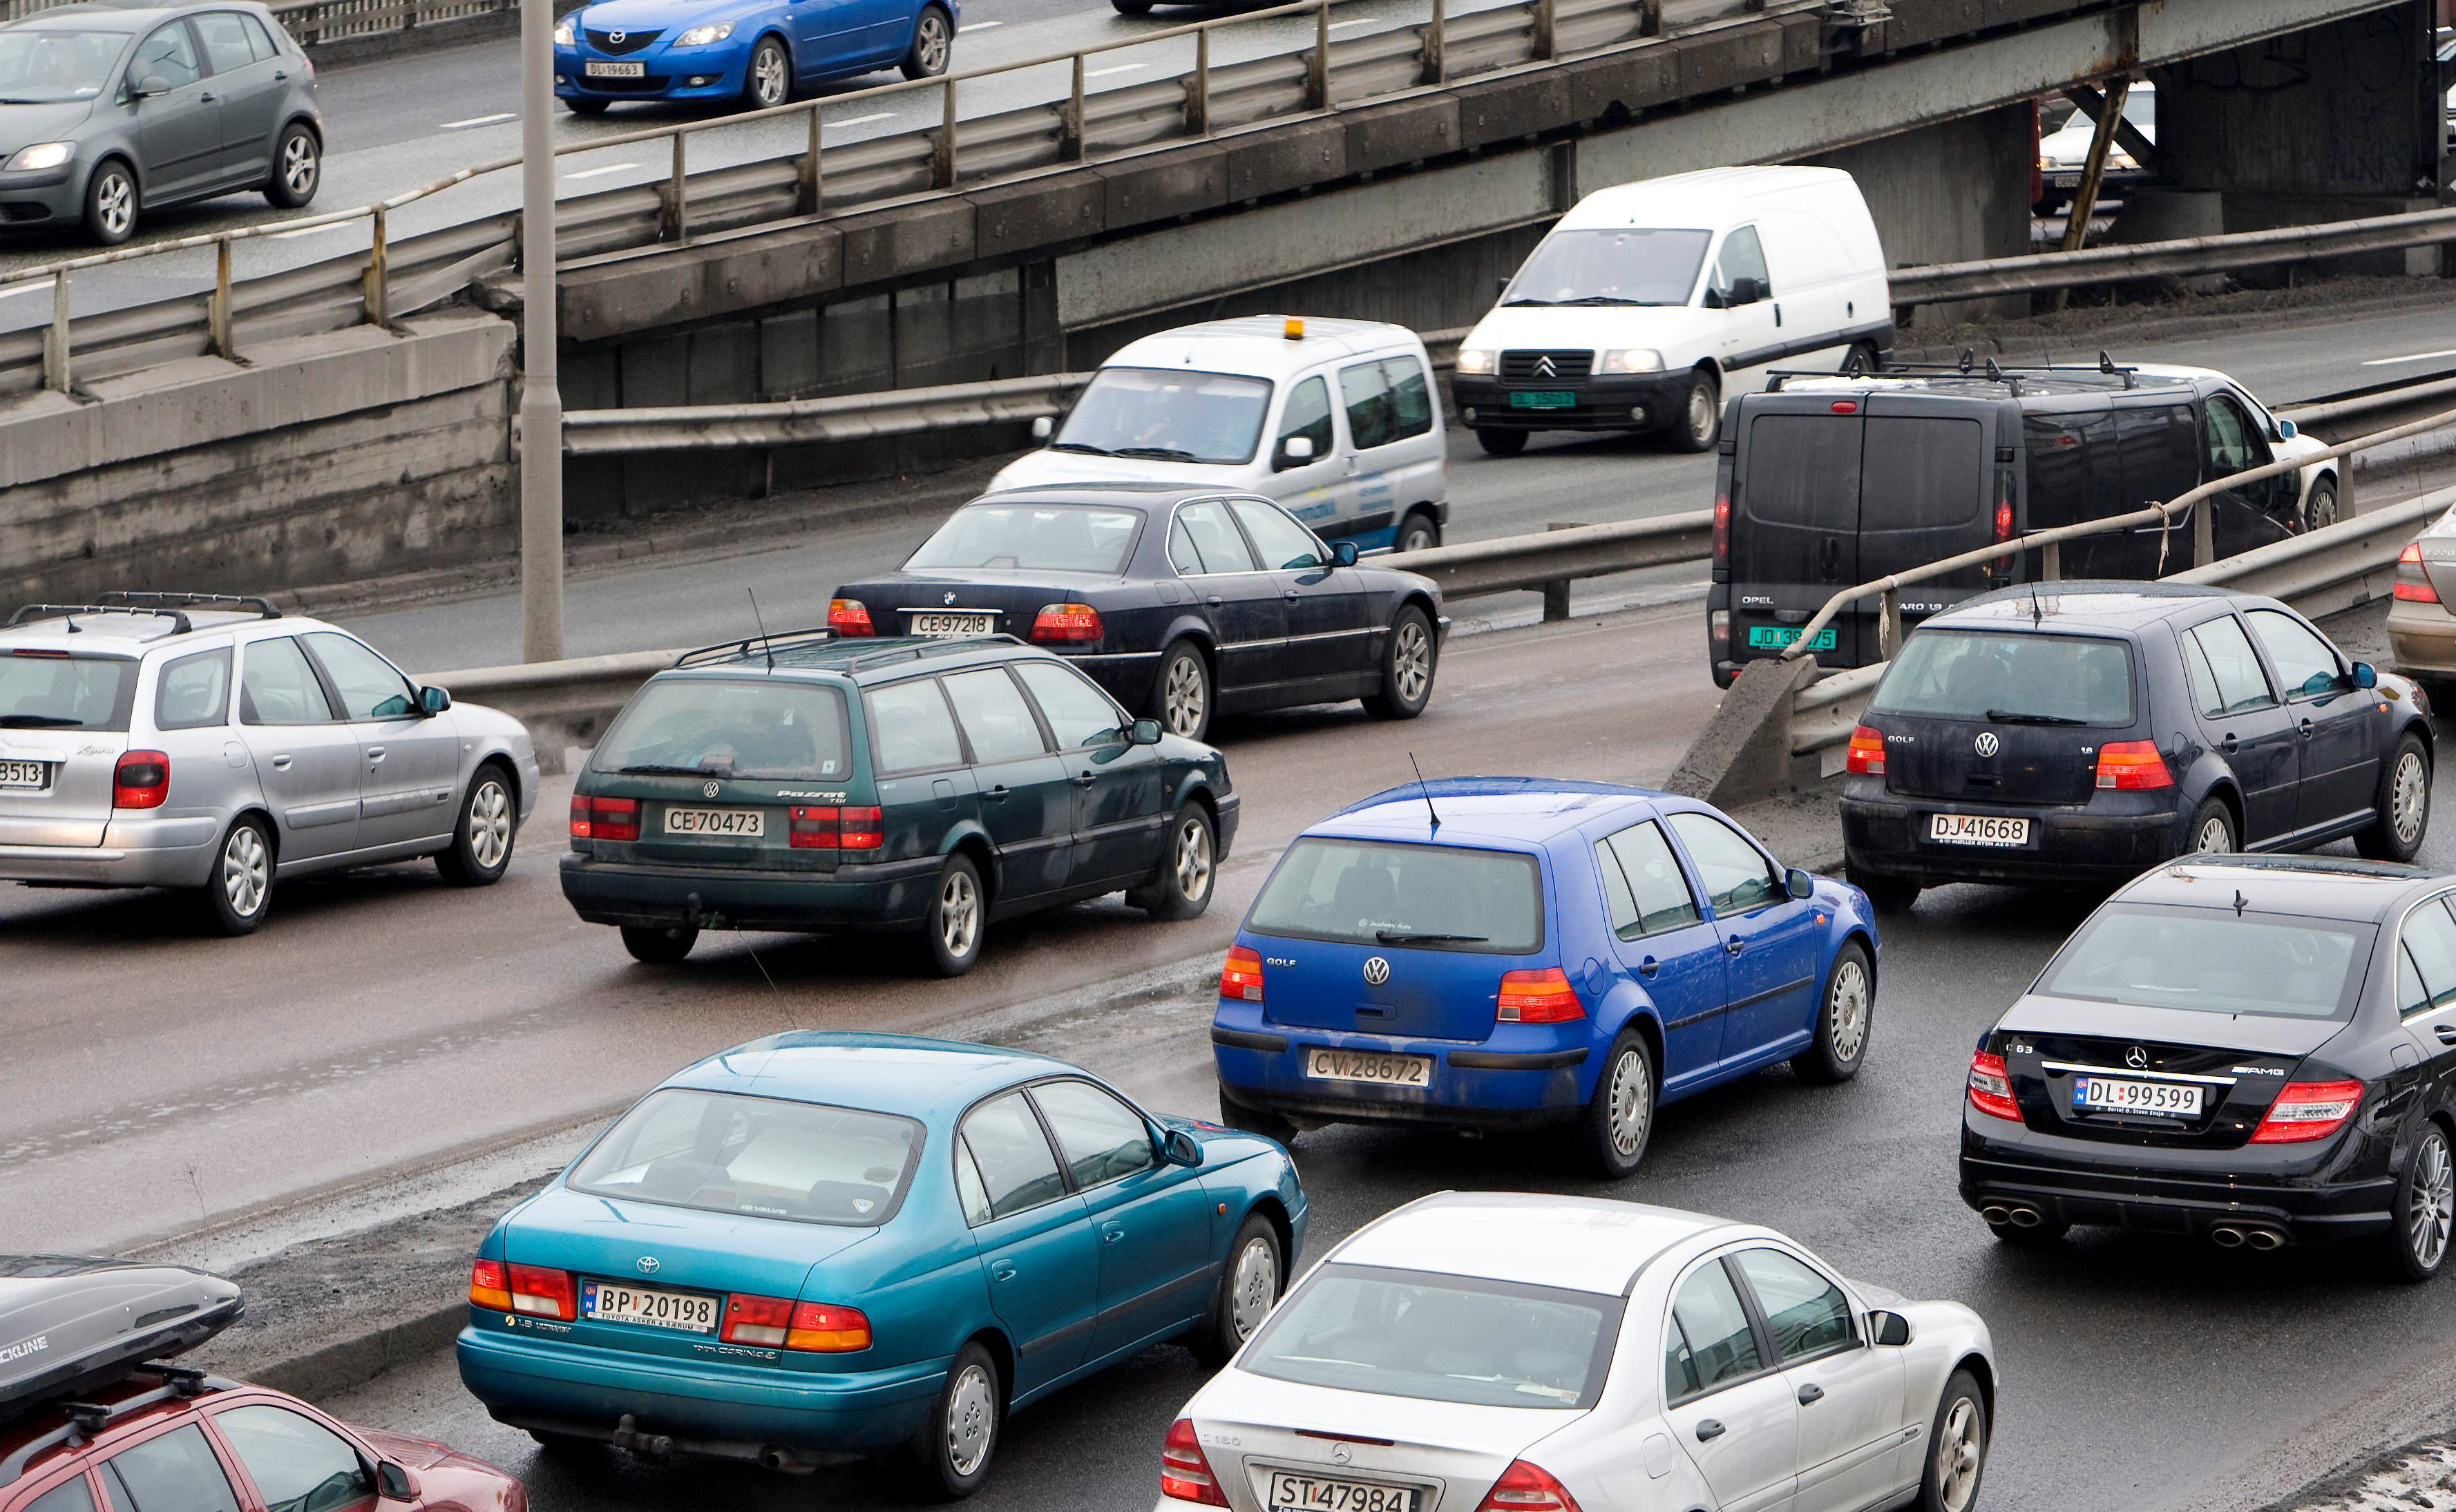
(1168, 454)
(662, 769)
(1403, 937)
(2003, 716)
(1080, 446)
(39, 722)
(1603, 298)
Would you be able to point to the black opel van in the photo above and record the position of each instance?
(1831, 480)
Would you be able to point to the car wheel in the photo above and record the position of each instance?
(1131, 8)
(298, 168)
(934, 43)
(1416, 533)
(659, 943)
(2319, 510)
(1501, 443)
(1700, 423)
(1187, 869)
(240, 893)
(1621, 1114)
(1255, 1121)
(1956, 1448)
(1249, 1288)
(1408, 667)
(958, 912)
(2425, 1209)
(1862, 360)
(481, 843)
(2212, 828)
(1843, 1023)
(580, 107)
(2404, 805)
(954, 1447)
(769, 80)
(1886, 894)
(1181, 699)
(111, 203)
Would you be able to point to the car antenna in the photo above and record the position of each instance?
(2036, 613)
(2238, 902)
(765, 645)
(1426, 791)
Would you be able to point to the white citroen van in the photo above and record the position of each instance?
(1336, 420)
(1649, 300)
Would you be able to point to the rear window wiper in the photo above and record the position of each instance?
(39, 722)
(1080, 446)
(657, 769)
(1403, 937)
(2008, 717)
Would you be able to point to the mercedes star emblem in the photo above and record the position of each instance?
(647, 1265)
(616, 37)
(1377, 971)
(1340, 1454)
(1986, 742)
(710, 790)
(2136, 1058)
(951, 597)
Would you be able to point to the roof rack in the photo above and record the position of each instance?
(262, 606)
(179, 624)
(86, 1419)
(1968, 367)
(751, 645)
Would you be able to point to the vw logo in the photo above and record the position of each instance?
(1543, 368)
(647, 1265)
(1987, 744)
(617, 38)
(1340, 1454)
(1377, 971)
(2136, 1058)
(709, 790)
(951, 597)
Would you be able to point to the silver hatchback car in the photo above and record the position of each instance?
(198, 740)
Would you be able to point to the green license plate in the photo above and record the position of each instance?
(1542, 399)
(1778, 636)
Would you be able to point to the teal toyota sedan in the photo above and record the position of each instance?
(823, 1243)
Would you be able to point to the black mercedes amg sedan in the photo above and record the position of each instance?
(2260, 1050)
(1183, 603)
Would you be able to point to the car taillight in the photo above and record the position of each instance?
(1539, 997)
(864, 828)
(2307, 1110)
(1526, 1487)
(757, 1320)
(2413, 584)
(604, 818)
(815, 828)
(1185, 1474)
(848, 617)
(1718, 626)
(1722, 528)
(2003, 520)
(777, 1322)
(1991, 1086)
(1241, 977)
(1867, 752)
(487, 1287)
(1066, 622)
(142, 780)
(543, 1291)
(2129, 763)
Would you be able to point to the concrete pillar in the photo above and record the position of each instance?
(1951, 191)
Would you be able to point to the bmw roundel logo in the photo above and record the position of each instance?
(618, 37)
(709, 790)
(1987, 744)
(1377, 971)
(2136, 1058)
(951, 597)
(648, 1264)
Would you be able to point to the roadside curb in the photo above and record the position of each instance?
(359, 1358)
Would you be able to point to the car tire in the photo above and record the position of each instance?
(112, 201)
(1956, 1456)
(1498, 442)
(1416, 533)
(933, 44)
(768, 78)
(1844, 1019)
(1189, 869)
(659, 943)
(1182, 695)
(957, 915)
(481, 850)
(2423, 1210)
(1256, 1121)
(2212, 830)
(1131, 8)
(1620, 1115)
(1884, 895)
(240, 893)
(1699, 423)
(298, 168)
(952, 1449)
(2319, 510)
(2403, 804)
(1863, 359)
(1409, 659)
(1249, 1287)
(583, 107)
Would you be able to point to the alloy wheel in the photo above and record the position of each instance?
(490, 823)
(2409, 797)
(299, 164)
(247, 871)
(1850, 1014)
(1632, 1105)
(2432, 1209)
(1701, 411)
(115, 204)
(2215, 836)
(1411, 662)
(931, 46)
(1184, 699)
(972, 1420)
(1959, 1452)
(1253, 1288)
(768, 75)
(1193, 858)
(959, 915)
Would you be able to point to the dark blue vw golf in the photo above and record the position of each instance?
(1512, 952)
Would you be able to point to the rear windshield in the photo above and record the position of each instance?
(1923, 473)
(1167, 414)
(765, 1157)
(1417, 897)
(1030, 538)
(43, 690)
(2215, 960)
(2010, 679)
(1439, 1339)
(1636, 265)
(729, 727)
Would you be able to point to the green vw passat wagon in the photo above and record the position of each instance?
(801, 782)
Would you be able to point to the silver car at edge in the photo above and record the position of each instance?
(204, 742)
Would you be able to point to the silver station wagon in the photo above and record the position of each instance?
(198, 740)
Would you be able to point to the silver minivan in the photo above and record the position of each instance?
(202, 741)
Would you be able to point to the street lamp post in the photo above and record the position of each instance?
(541, 405)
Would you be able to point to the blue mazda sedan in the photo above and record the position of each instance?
(822, 1243)
(751, 50)
(1517, 952)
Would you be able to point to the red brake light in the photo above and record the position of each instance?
(142, 780)
(848, 617)
(1185, 1474)
(2413, 584)
(1723, 526)
(604, 818)
(864, 828)
(1991, 1086)
(827, 1327)
(1526, 1487)
(763, 1320)
(1867, 753)
(1241, 977)
(2307, 1110)
(1539, 997)
(2004, 520)
(2129, 763)
(487, 1287)
(1846, 407)
(815, 828)
(1066, 622)
(544, 1290)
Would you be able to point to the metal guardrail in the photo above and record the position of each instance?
(315, 22)
(851, 417)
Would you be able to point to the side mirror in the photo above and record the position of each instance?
(1343, 552)
(1297, 448)
(1183, 1149)
(395, 1483)
(1890, 1329)
(1145, 732)
(2365, 675)
(1798, 884)
(1043, 428)
(1745, 291)
(2286, 430)
(152, 84)
(433, 700)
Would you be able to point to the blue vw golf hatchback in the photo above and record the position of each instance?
(1513, 953)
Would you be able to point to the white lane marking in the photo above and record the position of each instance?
(857, 120)
(977, 26)
(1122, 68)
(1357, 21)
(2417, 356)
(25, 288)
(481, 120)
(310, 231)
(600, 172)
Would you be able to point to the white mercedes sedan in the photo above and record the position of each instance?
(1479, 1352)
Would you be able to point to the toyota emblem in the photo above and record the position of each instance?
(951, 597)
(1377, 971)
(1340, 1454)
(708, 791)
(1987, 743)
(617, 38)
(2136, 1058)
(648, 1264)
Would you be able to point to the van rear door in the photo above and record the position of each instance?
(1929, 488)
(1794, 535)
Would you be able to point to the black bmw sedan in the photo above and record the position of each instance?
(2257, 1050)
(1183, 602)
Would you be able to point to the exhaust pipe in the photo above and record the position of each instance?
(785, 1461)
(2226, 1239)
(2264, 1240)
(1996, 1215)
(2026, 1218)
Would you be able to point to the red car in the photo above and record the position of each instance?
(166, 1437)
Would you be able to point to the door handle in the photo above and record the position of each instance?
(282, 764)
(279, 75)
(2446, 1033)
(375, 753)
(1648, 966)
(1086, 780)
(1111, 1233)
(1708, 1428)
(1001, 1269)
(1734, 947)
(995, 795)
(1811, 1392)
(1214, 600)
(208, 98)
(2305, 728)
(2229, 744)
(1289, 594)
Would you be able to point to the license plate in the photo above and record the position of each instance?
(1310, 1493)
(22, 775)
(1977, 829)
(615, 70)
(1355, 1065)
(952, 623)
(680, 1311)
(2113, 1094)
(748, 823)
(1778, 636)
(1544, 399)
